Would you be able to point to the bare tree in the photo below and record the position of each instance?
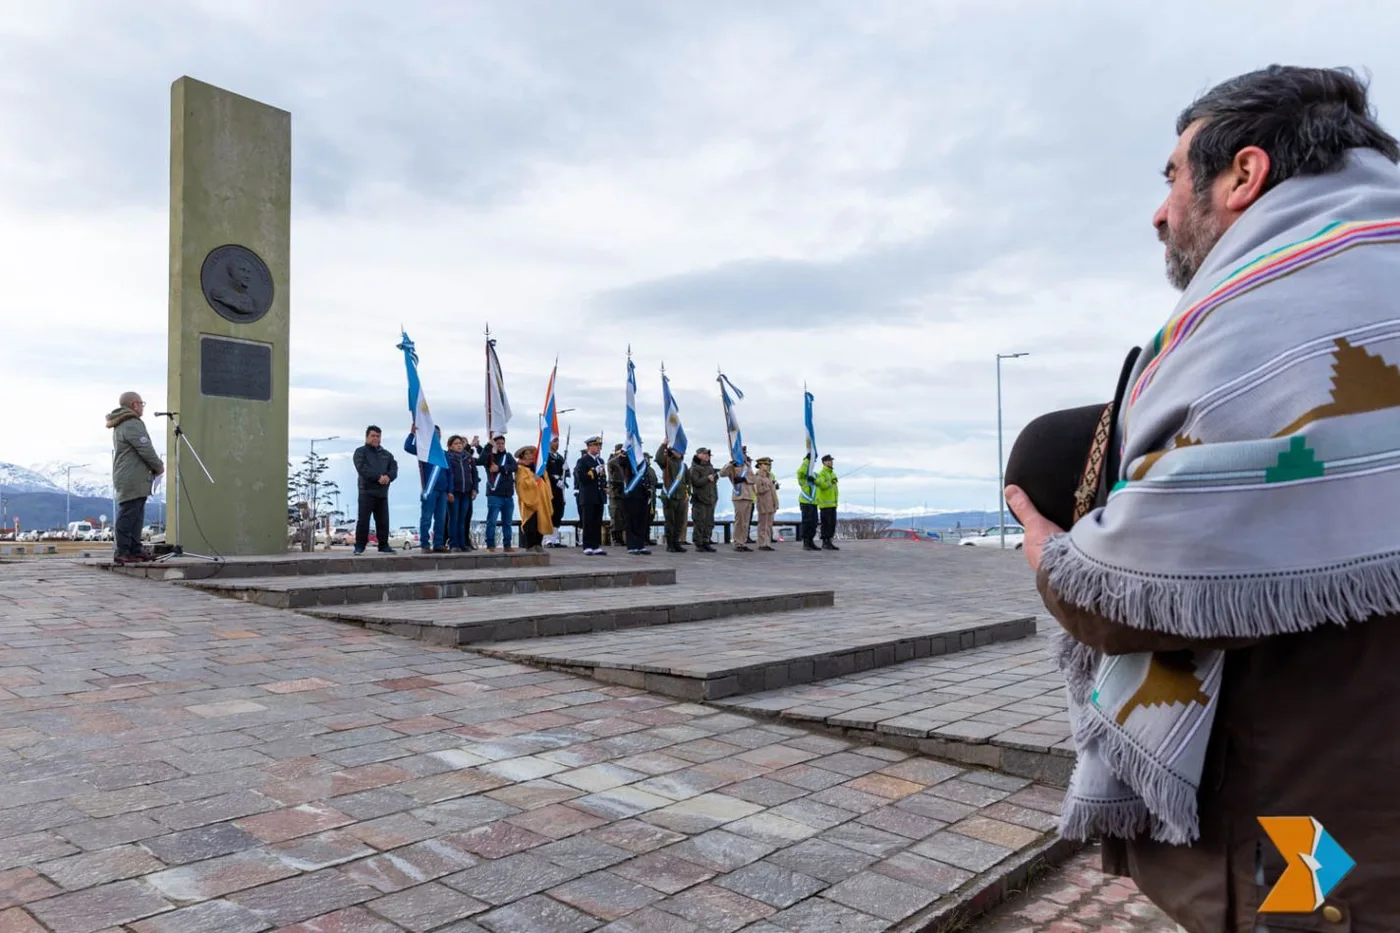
(860, 528)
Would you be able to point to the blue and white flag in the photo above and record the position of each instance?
(635, 454)
(731, 424)
(675, 434)
(431, 452)
(811, 437)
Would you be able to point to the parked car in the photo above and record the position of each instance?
(907, 534)
(991, 537)
(404, 539)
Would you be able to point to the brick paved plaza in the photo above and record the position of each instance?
(182, 757)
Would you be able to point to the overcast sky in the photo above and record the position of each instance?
(873, 197)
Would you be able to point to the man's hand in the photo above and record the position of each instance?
(473, 493)
(494, 468)
(1039, 529)
(384, 480)
(451, 498)
(476, 440)
(413, 428)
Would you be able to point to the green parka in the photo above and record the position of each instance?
(826, 488)
(134, 459)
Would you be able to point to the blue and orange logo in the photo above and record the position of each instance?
(1316, 864)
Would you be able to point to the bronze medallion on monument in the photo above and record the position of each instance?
(236, 283)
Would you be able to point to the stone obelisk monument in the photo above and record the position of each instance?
(230, 237)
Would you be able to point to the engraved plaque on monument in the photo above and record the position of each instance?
(235, 368)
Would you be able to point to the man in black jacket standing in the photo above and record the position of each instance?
(591, 487)
(376, 469)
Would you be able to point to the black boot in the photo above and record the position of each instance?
(828, 546)
(809, 546)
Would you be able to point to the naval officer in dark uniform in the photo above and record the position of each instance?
(591, 488)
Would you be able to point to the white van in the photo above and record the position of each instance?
(79, 531)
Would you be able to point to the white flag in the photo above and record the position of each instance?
(497, 405)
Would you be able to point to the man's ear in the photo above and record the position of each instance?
(1245, 178)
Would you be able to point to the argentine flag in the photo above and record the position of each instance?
(635, 454)
(811, 437)
(430, 452)
(731, 424)
(675, 434)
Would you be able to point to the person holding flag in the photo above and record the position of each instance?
(535, 502)
(738, 467)
(807, 480)
(500, 493)
(550, 462)
(675, 478)
(637, 484)
(432, 459)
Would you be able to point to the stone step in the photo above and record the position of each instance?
(322, 564)
(1000, 706)
(352, 589)
(739, 656)
(535, 616)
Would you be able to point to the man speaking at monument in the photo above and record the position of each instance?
(135, 465)
(1231, 602)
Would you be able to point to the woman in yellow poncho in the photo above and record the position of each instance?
(536, 501)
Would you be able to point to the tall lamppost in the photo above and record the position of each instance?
(1001, 474)
(315, 486)
(68, 494)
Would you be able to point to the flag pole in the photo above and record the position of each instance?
(490, 441)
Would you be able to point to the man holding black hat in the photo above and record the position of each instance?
(827, 499)
(591, 487)
(1233, 693)
(704, 495)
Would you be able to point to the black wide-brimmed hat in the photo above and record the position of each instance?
(1053, 458)
(1062, 459)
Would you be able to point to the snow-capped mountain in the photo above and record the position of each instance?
(15, 478)
(88, 480)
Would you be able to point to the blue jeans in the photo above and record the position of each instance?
(504, 507)
(457, 511)
(433, 518)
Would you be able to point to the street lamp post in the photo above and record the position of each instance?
(68, 493)
(1001, 475)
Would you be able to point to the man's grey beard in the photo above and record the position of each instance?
(1188, 248)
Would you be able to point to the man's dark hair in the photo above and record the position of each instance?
(372, 429)
(1304, 118)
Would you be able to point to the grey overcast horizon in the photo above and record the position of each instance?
(874, 199)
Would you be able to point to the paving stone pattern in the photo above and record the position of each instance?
(506, 618)
(1078, 898)
(1002, 706)
(173, 761)
(711, 660)
(344, 589)
(320, 562)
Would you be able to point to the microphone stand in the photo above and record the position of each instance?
(175, 487)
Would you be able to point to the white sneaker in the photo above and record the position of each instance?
(589, 552)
